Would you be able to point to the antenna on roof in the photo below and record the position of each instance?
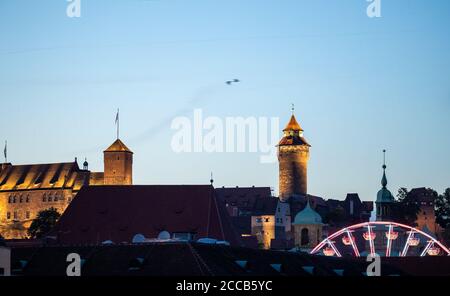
(292, 108)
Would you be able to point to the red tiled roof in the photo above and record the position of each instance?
(117, 213)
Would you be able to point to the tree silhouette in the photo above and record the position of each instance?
(43, 223)
(405, 210)
(443, 209)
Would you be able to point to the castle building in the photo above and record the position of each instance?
(25, 190)
(293, 156)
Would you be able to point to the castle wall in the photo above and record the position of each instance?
(19, 208)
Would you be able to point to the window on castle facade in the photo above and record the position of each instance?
(28, 199)
(10, 199)
(16, 215)
(27, 214)
(21, 199)
(14, 199)
(44, 198)
(8, 215)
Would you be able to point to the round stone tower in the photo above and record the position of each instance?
(293, 156)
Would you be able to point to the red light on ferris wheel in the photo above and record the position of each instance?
(346, 240)
(392, 235)
(434, 251)
(414, 241)
(369, 235)
(328, 252)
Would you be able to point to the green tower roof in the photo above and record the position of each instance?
(307, 216)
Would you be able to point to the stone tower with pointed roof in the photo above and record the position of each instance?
(118, 162)
(293, 157)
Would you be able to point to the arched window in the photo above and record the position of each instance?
(10, 199)
(44, 198)
(304, 237)
(14, 199)
(28, 198)
(21, 199)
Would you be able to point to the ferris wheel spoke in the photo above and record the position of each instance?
(406, 247)
(331, 244)
(430, 243)
(352, 241)
(371, 243)
(389, 242)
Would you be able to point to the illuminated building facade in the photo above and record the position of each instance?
(25, 190)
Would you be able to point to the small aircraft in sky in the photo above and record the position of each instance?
(232, 81)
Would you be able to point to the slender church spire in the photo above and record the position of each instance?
(384, 179)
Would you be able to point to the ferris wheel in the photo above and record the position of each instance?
(389, 239)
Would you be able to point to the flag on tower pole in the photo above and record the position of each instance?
(117, 123)
(5, 151)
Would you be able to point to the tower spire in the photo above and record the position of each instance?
(292, 108)
(384, 179)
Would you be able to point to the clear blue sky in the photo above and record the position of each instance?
(359, 85)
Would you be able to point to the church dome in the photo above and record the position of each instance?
(307, 216)
(384, 195)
